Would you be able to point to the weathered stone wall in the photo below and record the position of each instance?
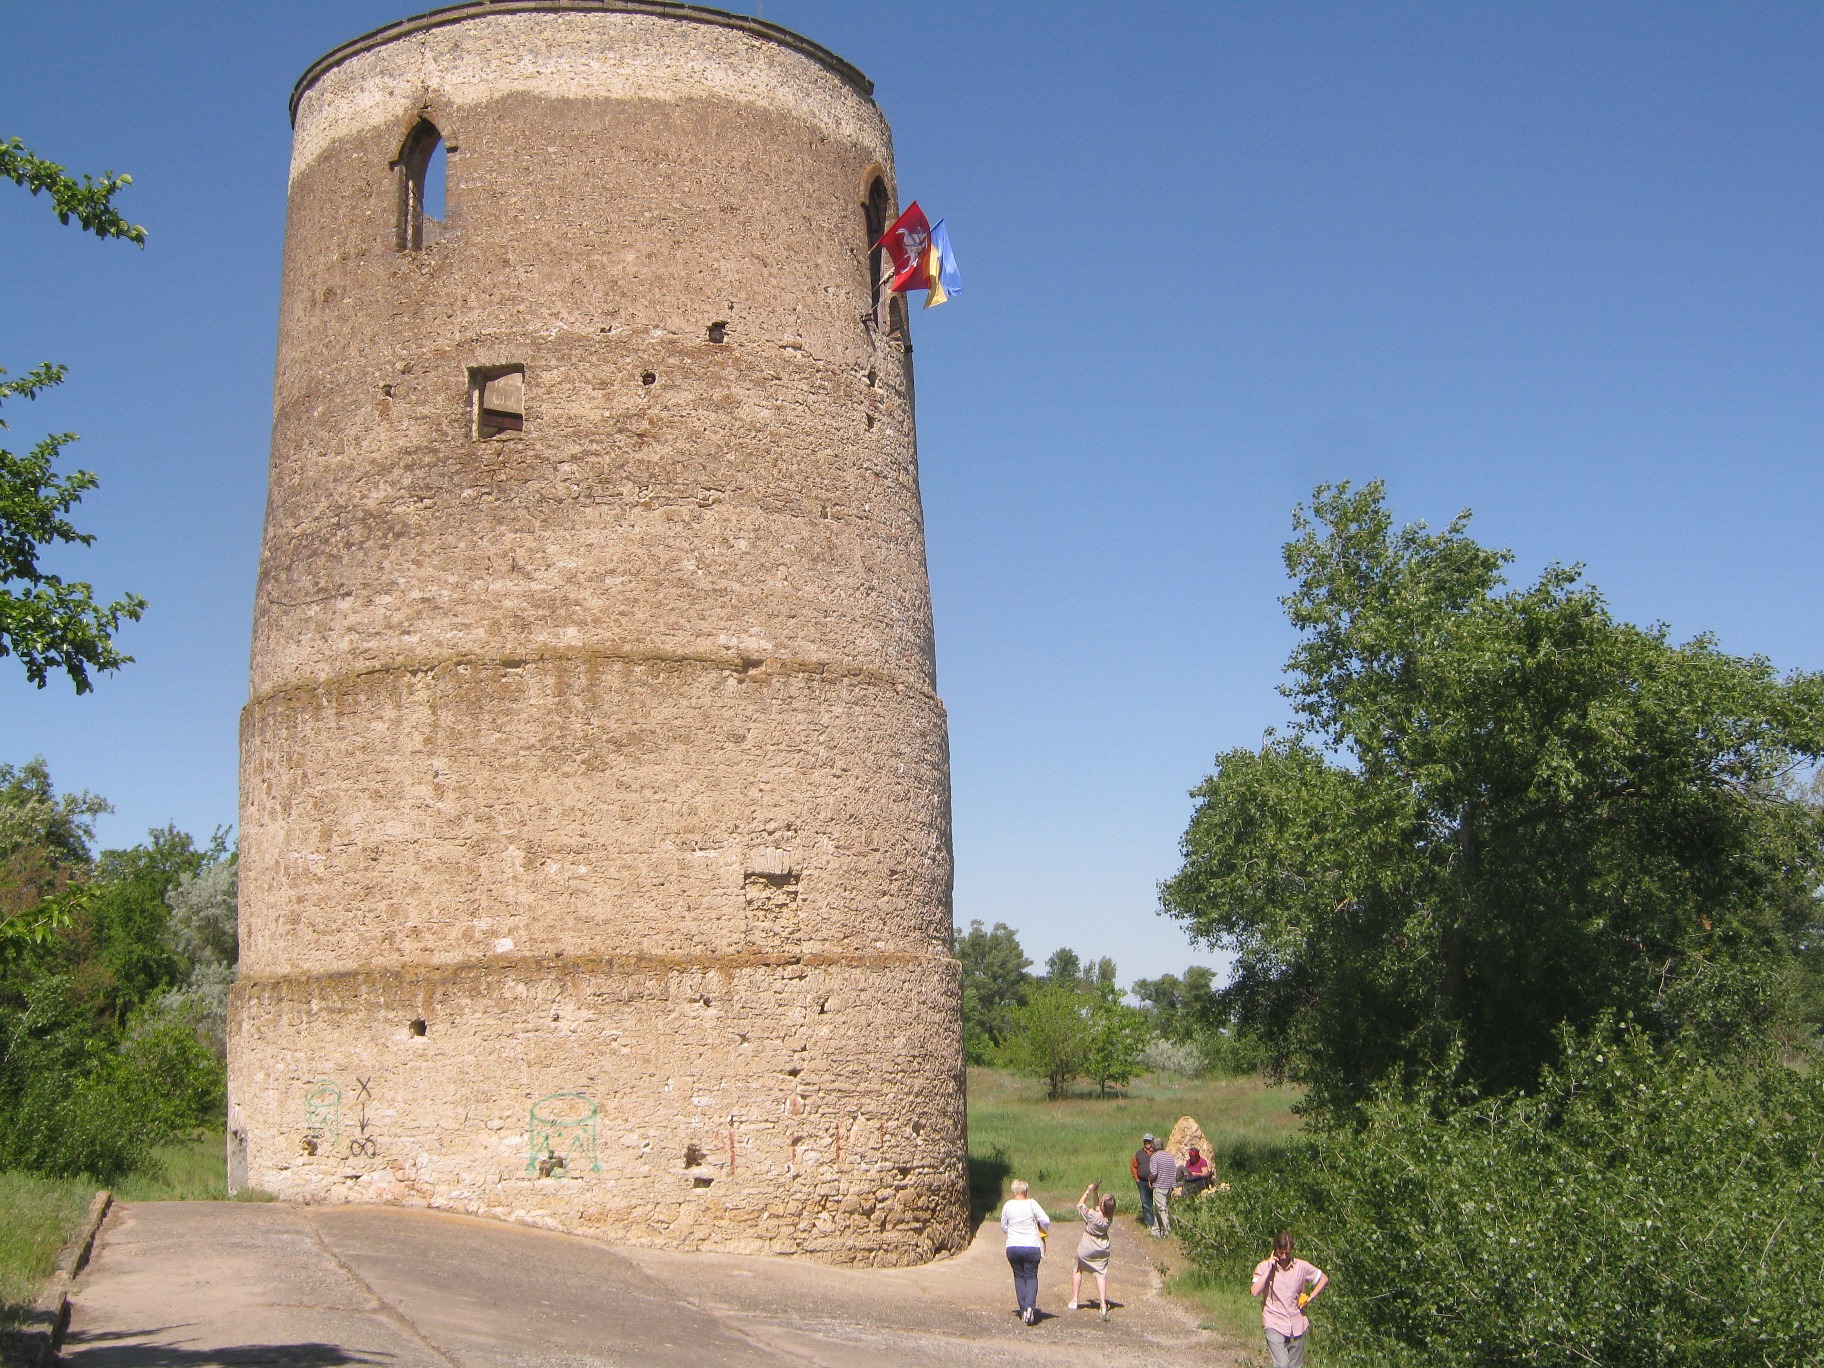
(598, 767)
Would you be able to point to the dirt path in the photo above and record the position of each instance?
(191, 1284)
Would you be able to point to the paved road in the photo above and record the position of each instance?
(197, 1284)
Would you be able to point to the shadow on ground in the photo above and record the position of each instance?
(987, 1175)
(100, 1351)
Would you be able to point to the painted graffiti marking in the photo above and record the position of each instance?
(560, 1132)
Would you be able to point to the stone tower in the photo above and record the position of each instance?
(595, 799)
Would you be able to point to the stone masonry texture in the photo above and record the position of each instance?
(595, 795)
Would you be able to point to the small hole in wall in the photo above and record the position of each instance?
(870, 422)
(418, 1026)
(701, 1180)
(647, 378)
(873, 377)
(693, 1156)
(718, 331)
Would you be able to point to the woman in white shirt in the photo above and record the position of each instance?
(1025, 1224)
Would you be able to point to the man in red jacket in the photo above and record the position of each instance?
(1141, 1166)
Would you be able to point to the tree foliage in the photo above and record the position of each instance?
(1049, 1039)
(44, 848)
(995, 983)
(203, 937)
(1183, 1008)
(47, 622)
(110, 983)
(1501, 810)
(1069, 1029)
(89, 201)
(1640, 1209)
(1070, 1022)
(1115, 1038)
(1190, 1014)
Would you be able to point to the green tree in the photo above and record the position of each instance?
(1804, 1024)
(127, 913)
(203, 936)
(1183, 1009)
(44, 852)
(1501, 810)
(1115, 1038)
(1064, 968)
(1050, 1036)
(995, 982)
(109, 995)
(47, 622)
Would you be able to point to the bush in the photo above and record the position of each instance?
(76, 1101)
(1641, 1208)
(1173, 1057)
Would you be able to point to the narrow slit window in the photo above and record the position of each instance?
(423, 169)
(876, 215)
(497, 395)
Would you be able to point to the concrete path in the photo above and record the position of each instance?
(195, 1284)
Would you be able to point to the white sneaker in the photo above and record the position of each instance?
(1070, 1306)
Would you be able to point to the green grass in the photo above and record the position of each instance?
(194, 1170)
(37, 1217)
(1059, 1147)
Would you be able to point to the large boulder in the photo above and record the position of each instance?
(1185, 1134)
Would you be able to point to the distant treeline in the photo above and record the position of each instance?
(1073, 1021)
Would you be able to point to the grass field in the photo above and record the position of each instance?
(37, 1216)
(1058, 1147)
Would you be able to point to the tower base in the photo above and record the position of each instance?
(732, 1103)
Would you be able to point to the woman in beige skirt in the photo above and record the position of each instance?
(1092, 1249)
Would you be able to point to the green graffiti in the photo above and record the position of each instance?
(322, 1116)
(561, 1131)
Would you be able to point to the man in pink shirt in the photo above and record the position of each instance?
(1280, 1283)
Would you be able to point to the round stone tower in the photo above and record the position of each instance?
(595, 799)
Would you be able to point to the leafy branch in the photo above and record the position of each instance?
(89, 201)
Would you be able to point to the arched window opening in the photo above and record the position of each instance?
(436, 176)
(877, 224)
(423, 168)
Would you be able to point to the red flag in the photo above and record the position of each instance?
(906, 242)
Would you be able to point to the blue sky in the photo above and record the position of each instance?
(1558, 263)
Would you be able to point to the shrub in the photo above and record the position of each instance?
(76, 1101)
(1641, 1208)
(1178, 1057)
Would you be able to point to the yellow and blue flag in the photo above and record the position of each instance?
(941, 270)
